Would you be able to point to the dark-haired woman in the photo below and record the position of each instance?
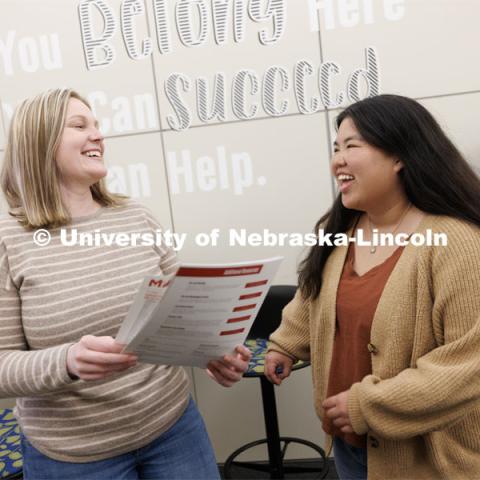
(393, 331)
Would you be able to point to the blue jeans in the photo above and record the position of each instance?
(182, 452)
(350, 461)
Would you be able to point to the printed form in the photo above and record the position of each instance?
(197, 314)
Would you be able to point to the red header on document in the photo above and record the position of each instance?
(186, 317)
(219, 272)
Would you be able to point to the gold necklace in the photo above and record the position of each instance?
(374, 247)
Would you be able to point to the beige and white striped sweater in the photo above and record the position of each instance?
(49, 298)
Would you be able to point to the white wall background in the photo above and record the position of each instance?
(267, 172)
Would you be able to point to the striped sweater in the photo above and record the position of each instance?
(50, 297)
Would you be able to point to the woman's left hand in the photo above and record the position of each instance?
(337, 410)
(229, 369)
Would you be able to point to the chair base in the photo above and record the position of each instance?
(280, 470)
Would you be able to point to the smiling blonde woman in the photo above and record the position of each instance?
(30, 177)
(86, 410)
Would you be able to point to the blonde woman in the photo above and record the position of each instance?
(393, 331)
(86, 410)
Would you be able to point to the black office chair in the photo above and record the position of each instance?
(267, 321)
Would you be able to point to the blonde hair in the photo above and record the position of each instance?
(30, 179)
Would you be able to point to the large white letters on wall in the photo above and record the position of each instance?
(219, 114)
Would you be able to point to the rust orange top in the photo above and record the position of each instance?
(357, 300)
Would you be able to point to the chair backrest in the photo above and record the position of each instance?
(270, 314)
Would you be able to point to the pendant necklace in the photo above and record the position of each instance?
(371, 227)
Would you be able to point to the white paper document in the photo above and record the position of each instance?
(196, 314)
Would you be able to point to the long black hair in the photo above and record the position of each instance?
(436, 177)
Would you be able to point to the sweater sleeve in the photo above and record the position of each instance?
(292, 338)
(22, 372)
(168, 257)
(444, 385)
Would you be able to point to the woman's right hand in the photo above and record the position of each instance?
(277, 367)
(93, 358)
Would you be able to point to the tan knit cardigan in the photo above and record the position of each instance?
(421, 405)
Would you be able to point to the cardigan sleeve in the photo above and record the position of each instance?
(22, 372)
(292, 338)
(444, 385)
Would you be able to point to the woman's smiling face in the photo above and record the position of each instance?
(366, 175)
(79, 156)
